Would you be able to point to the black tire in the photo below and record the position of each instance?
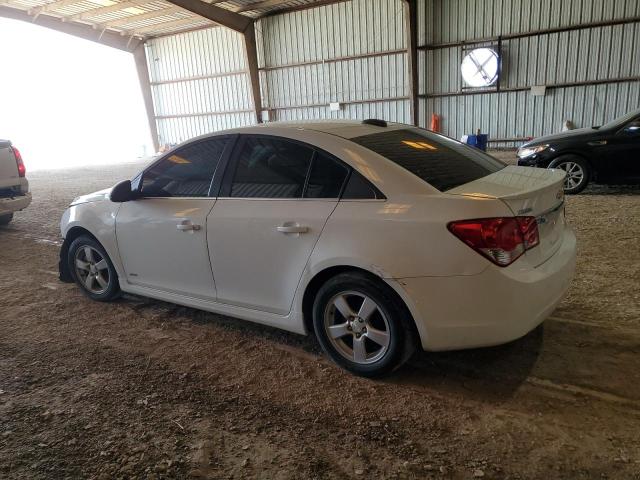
(391, 316)
(5, 219)
(101, 293)
(569, 160)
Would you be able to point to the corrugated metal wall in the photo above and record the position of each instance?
(599, 53)
(352, 52)
(199, 83)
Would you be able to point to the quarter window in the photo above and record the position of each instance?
(268, 167)
(187, 172)
(326, 178)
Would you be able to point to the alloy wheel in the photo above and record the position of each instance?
(92, 270)
(575, 174)
(357, 327)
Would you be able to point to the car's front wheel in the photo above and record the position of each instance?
(577, 169)
(5, 219)
(92, 269)
(362, 324)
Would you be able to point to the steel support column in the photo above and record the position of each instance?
(251, 50)
(411, 36)
(140, 57)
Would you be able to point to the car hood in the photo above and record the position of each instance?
(98, 196)
(558, 137)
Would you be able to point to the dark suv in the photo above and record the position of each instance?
(607, 154)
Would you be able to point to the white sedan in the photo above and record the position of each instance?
(378, 237)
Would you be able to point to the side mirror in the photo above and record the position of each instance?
(122, 192)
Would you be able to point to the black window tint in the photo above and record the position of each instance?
(187, 172)
(270, 168)
(326, 178)
(360, 188)
(438, 160)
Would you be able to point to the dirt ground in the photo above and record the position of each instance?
(146, 389)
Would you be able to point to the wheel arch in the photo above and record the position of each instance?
(73, 233)
(582, 155)
(321, 277)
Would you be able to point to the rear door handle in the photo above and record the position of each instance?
(595, 143)
(292, 229)
(187, 226)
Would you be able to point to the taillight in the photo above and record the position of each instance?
(22, 171)
(502, 240)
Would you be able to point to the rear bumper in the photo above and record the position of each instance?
(13, 204)
(493, 307)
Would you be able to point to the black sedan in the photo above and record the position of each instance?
(608, 154)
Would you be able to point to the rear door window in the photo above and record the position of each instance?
(326, 178)
(268, 167)
(438, 160)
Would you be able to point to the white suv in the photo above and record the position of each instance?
(14, 187)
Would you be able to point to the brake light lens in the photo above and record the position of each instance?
(22, 171)
(502, 240)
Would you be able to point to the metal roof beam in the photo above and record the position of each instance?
(72, 28)
(219, 15)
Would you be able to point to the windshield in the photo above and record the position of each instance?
(440, 161)
(620, 121)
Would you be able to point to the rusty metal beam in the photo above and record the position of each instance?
(219, 15)
(251, 50)
(140, 57)
(410, 9)
(81, 30)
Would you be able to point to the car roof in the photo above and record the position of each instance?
(342, 128)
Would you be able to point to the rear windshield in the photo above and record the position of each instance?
(438, 160)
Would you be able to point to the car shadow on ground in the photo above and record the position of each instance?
(489, 374)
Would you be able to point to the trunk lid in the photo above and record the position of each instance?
(527, 191)
(8, 168)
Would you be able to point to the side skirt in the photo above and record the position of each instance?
(291, 323)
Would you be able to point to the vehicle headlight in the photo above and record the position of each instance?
(528, 151)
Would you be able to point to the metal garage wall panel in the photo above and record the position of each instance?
(204, 52)
(337, 30)
(599, 53)
(455, 20)
(518, 114)
(184, 128)
(385, 109)
(351, 51)
(199, 83)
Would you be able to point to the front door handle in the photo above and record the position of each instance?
(596, 143)
(187, 226)
(292, 228)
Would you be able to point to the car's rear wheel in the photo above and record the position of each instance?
(577, 169)
(92, 269)
(362, 325)
(5, 219)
